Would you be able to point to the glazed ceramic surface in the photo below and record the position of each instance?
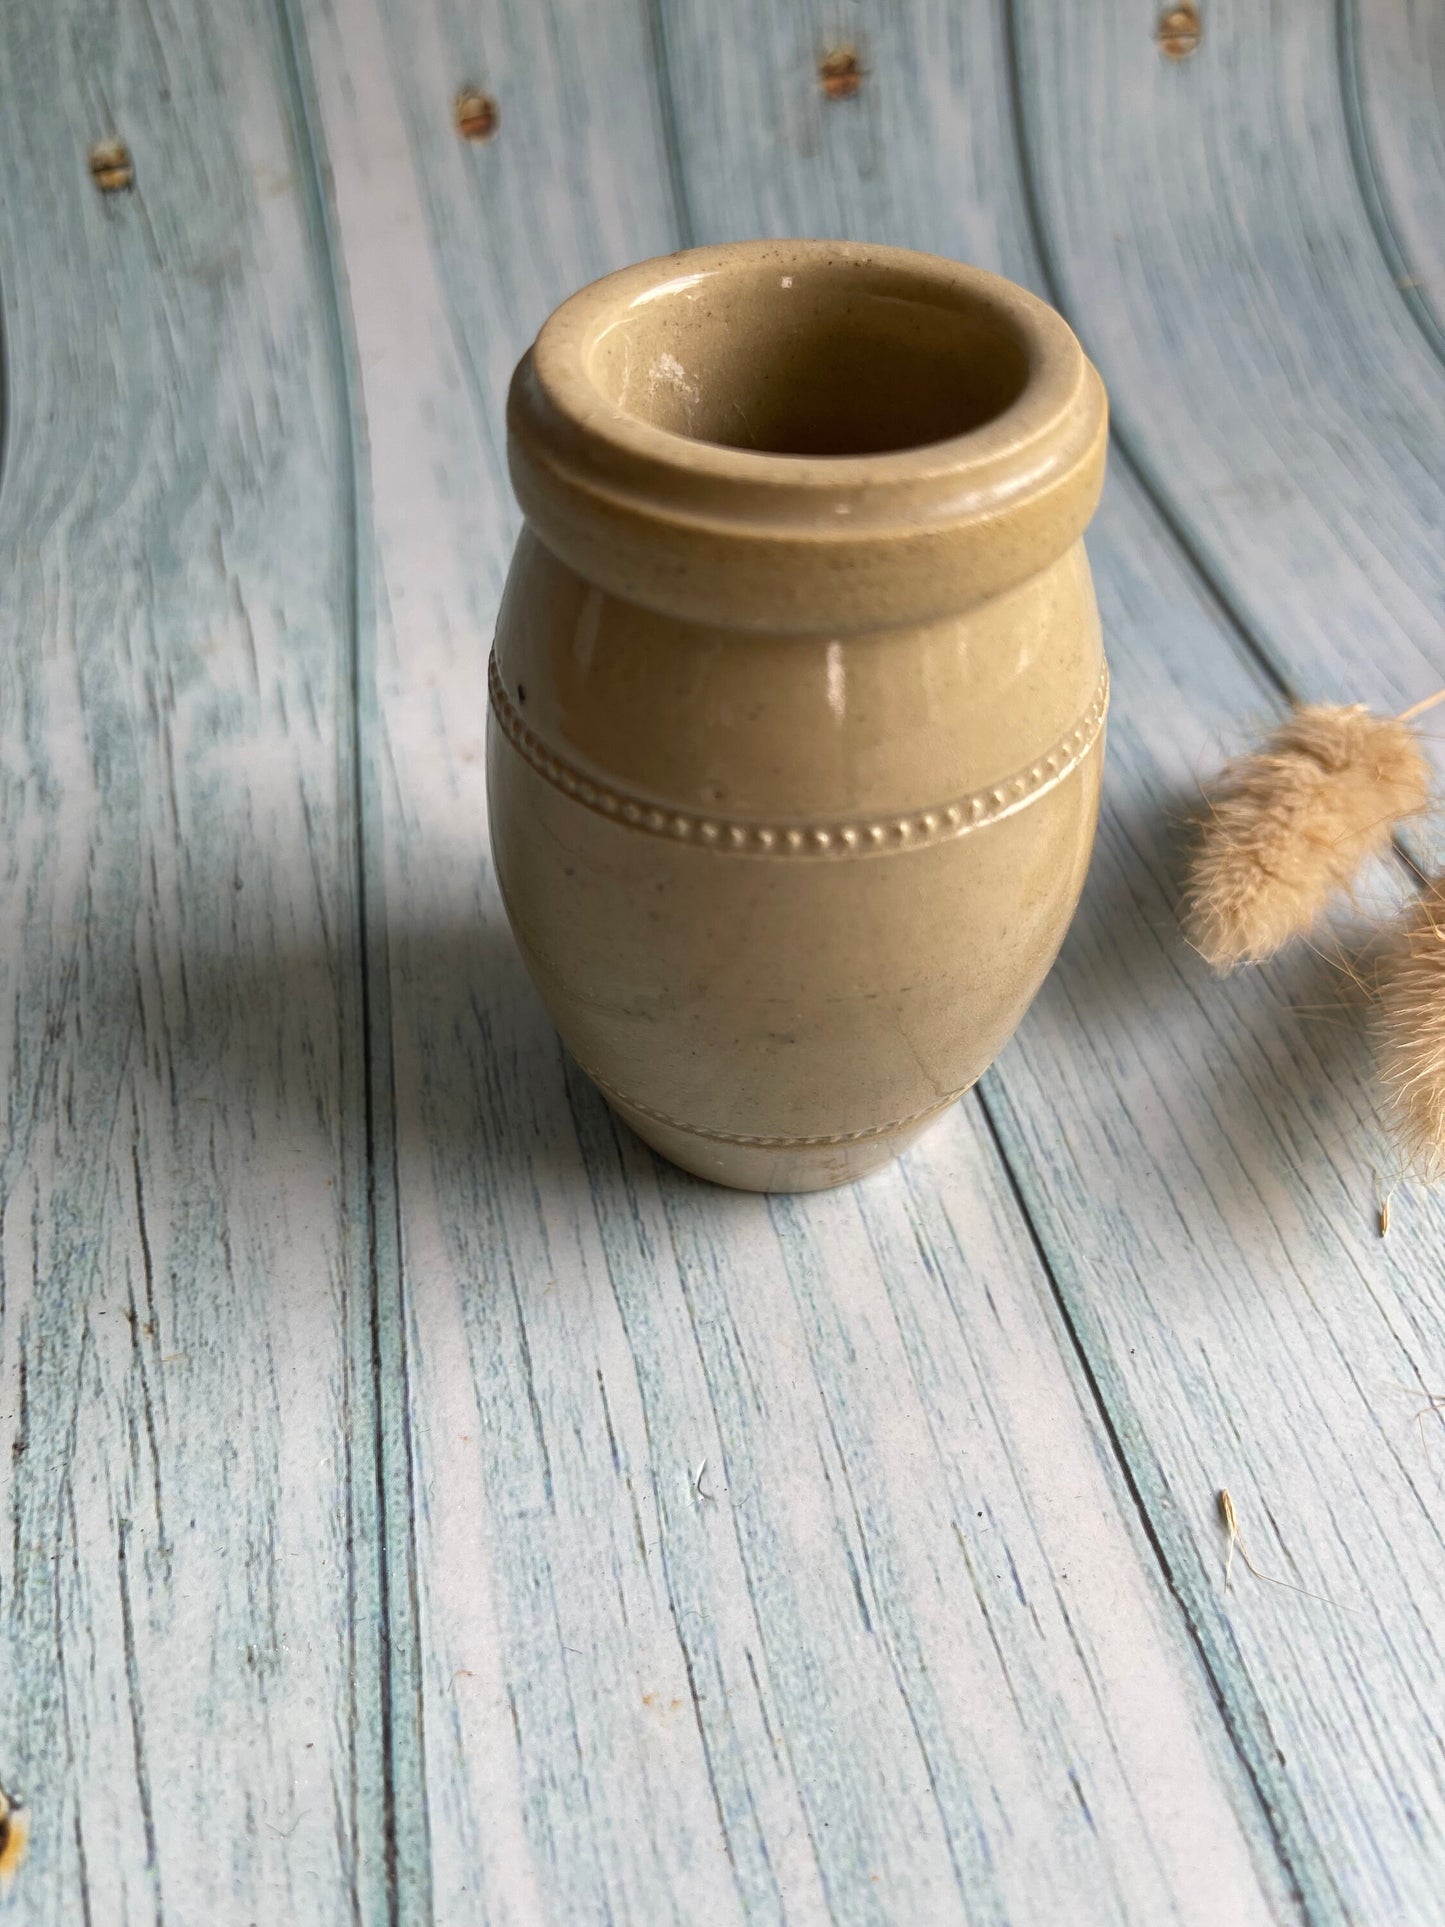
(798, 692)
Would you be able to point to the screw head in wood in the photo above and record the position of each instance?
(476, 115)
(1179, 31)
(110, 166)
(840, 73)
(14, 1836)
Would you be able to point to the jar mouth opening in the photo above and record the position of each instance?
(816, 356)
(793, 371)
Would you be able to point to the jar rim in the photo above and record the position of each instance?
(583, 450)
(566, 348)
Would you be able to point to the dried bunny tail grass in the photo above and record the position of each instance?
(1411, 1028)
(1290, 825)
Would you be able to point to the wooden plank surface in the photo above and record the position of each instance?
(894, 1664)
(186, 1604)
(1392, 57)
(1195, 1156)
(1205, 227)
(425, 1504)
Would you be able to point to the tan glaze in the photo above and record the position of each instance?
(798, 691)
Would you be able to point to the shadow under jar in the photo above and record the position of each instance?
(798, 691)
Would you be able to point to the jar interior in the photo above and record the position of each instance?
(820, 360)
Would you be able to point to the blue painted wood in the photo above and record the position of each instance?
(1196, 1157)
(1392, 58)
(882, 1658)
(1205, 226)
(188, 1609)
(468, 1517)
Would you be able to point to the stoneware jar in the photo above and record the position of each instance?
(798, 691)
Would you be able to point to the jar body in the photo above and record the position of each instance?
(786, 896)
(798, 693)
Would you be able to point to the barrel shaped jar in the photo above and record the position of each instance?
(798, 692)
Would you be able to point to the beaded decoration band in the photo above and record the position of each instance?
(843, 836)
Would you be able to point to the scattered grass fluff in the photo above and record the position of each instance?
(1411, 1031)
(1290, 826)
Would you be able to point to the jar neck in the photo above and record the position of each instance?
(802, 435)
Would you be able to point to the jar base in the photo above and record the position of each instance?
(783, 1165)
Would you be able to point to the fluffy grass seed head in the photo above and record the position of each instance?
(1411, 1031)
(1292, 824)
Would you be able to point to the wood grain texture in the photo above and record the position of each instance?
(1204, 224)
(1392, 61)
(902, 1651)
(1195, 1156)
(186, 1607)
(424, 1504)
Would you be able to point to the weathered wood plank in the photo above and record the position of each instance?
(1392, 56)
(1205, 226)
(913, 1645)
(1196, 1156)
(186, 1608)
